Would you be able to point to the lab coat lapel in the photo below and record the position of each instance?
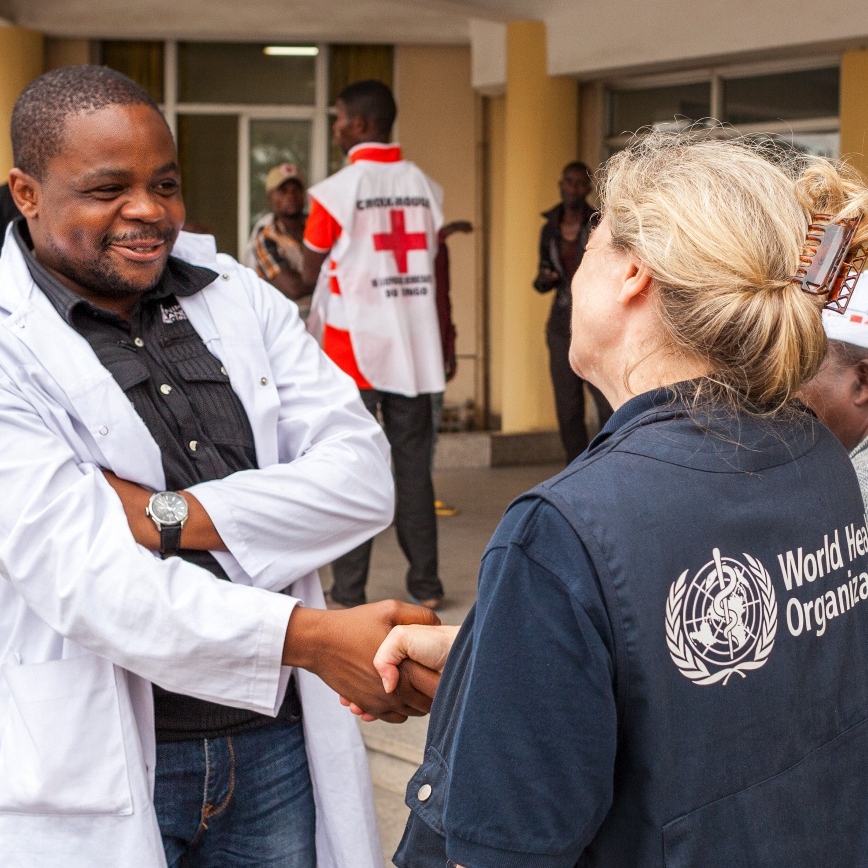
(80, 382)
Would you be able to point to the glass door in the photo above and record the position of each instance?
(271, 141)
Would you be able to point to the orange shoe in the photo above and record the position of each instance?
(444, 510)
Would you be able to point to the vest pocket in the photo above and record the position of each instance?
(813, 813)
(61, 743)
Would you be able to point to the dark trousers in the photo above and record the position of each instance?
(570, 396)
(407, 423)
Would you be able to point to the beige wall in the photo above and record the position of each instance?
(587, 38)
(67, 52)
(496, 144)
(854, 109)
(439, 130)
(21, 53)
(540, 132)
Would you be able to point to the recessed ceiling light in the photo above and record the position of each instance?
(291, 50)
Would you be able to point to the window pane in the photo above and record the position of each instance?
(632, 109)
(242, 73)
(786, 96)
(822, 144)
(273, 142)
(208, 152)
(141, 61)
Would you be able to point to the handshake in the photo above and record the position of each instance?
(383, 659)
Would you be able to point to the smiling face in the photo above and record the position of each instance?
(106, 213)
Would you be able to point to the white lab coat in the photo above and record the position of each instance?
(88, 618)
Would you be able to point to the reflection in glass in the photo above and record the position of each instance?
(242, 73)
(811, 93)
(656, 106)
(273, 142)
(208, 153)
(821, 144)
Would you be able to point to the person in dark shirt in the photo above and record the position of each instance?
(561, 248)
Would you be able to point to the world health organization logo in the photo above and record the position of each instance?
(724, 621)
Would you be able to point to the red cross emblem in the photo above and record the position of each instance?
(399, 241)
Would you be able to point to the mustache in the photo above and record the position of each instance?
(165, 235)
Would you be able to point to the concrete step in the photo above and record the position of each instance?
(394, 751)
(394, 754)
(496, 449)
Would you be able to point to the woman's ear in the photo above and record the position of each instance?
(637, 280)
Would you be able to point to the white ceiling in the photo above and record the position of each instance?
(379, 21)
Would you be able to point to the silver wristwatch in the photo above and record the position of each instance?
(168, 510)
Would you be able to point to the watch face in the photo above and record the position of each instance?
(168, 507)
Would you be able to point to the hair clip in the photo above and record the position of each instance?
(823, 267)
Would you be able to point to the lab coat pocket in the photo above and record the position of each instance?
(61, 740)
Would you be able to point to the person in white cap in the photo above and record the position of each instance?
(838, 394)
(274, 250)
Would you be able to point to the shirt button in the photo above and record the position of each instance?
(264, 381)
(225, 276)
(194, 445)
(138, 342)
(165, 388)
(424, 793)
(103, 430)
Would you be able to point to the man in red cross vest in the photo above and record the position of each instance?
(375, 223)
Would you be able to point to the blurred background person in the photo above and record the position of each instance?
(448, 334)
(561, 248)
(839, 392)
(274, 249)
(376, 223)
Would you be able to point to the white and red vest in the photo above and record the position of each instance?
(379, 217)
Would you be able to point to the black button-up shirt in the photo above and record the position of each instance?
(184, 397)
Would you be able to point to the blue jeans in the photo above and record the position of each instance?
(244, 800)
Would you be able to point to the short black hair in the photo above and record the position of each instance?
(41, 110)
(373, 101)
(578, 166)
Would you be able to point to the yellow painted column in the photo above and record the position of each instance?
(540, 137)
(854, 109)
(20, 62)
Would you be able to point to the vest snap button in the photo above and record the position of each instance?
(424, 793)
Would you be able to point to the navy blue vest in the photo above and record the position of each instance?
(732, 554)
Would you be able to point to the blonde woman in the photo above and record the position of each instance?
(668, 660)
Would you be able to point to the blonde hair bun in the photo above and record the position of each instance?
(720, 224)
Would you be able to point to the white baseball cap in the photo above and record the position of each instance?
(851, 327)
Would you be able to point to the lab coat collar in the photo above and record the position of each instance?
(81, 381)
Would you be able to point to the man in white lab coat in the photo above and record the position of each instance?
(177, 458)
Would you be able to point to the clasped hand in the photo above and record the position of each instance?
(412, 654)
